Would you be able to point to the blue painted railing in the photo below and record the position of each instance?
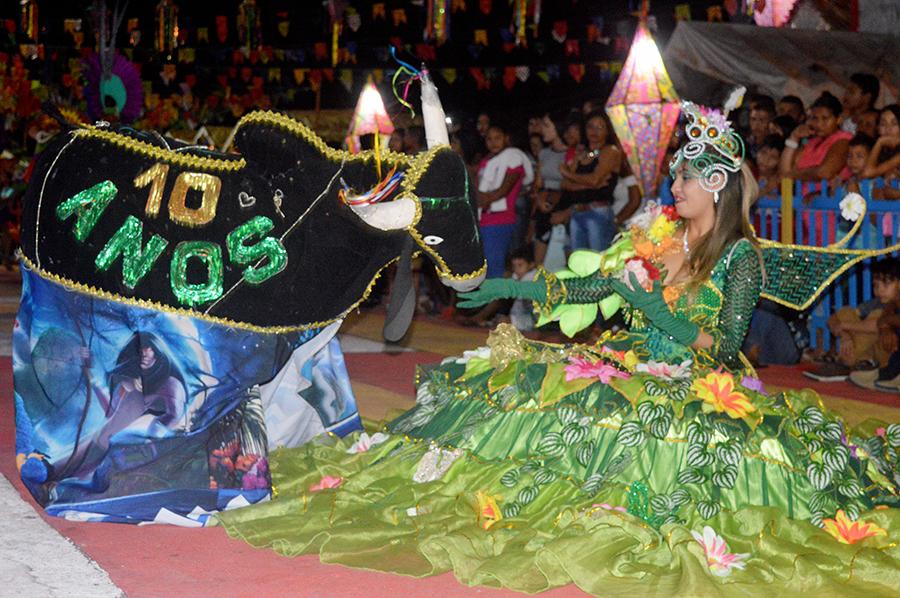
(817, 221)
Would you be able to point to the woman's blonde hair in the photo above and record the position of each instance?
(732, 223)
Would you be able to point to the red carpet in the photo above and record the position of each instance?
(392, 371)
(163, 561)
(792, 377)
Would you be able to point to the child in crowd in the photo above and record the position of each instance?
(768, 156)
(857, 329)
(501, 177)
(857, 155)
(522, 267)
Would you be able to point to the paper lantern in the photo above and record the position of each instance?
(643, 108)
(369, 118)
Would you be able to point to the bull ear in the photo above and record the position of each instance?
(391, 215)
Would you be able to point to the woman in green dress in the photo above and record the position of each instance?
(652, 460)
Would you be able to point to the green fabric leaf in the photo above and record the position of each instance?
(584, 262)
(630, 434)
(510, 478)
(554, 388)
(577, 318)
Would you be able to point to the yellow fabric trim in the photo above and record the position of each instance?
(158, 153)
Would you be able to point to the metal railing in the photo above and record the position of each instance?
(809, 213)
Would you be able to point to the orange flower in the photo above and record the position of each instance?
(643, 248)
(488, 511)
(717, 390)
(851, 532)
(671, 294)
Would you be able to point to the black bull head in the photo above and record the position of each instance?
(259, 238)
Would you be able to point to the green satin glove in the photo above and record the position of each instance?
(504, 288)
(656, 310)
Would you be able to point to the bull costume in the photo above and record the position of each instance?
(645, 460)
(179, 307)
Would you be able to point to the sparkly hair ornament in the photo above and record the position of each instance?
(713, 149)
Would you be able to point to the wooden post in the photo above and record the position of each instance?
(787, 211)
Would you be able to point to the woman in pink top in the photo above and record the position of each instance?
(823, 155)
(824, 151)
(501, 176)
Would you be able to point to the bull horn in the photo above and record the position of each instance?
(390, 215)
(433, 114)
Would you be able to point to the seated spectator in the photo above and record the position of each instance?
(768, 157)
(867, 123)
(547, 212)
(782, 126)
(501, 176)
(588, 183)
(857, 156)
(856, 328)
(791, 106)
(859, 97)
(884, 159)
(520, 311)
(825, 146)
(761, 114)
(535, 145)
(777, 335)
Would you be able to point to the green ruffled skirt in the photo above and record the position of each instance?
(508, 474)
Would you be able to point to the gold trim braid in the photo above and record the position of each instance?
(153, 305)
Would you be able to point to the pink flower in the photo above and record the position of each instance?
(880, 432)
(582, 368)
(636, 267)
(755, 384)
(326, 483)
(609, 507)
(666, 371)
(718, 559)
(365, 442)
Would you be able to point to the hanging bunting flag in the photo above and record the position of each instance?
(186, 55)
(486, 6)
(426, 52)
(378, 76)
(544, 76)
(682, 12)
(320, 50)
(459, 5)
(593, 34)
(714, 14)
(519, 22)
(522, 73)
(222, 28)
(449, 75)
(378, 11)
(249, 24)
(509, 77)
(576, 71)
(481, 37)
(399, 15)
(300, 75)
(203, 34)
(481, 81)
(560, 31)
(346, 78)
(553, 71)
(284, 23)
(30, 18)
(572, 47)
(166, 26)
(335, 40)
(274, 74)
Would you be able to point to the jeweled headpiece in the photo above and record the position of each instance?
(712, 150)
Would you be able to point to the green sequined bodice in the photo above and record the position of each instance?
(721, 307)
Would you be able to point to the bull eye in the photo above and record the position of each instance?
(433, 240)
